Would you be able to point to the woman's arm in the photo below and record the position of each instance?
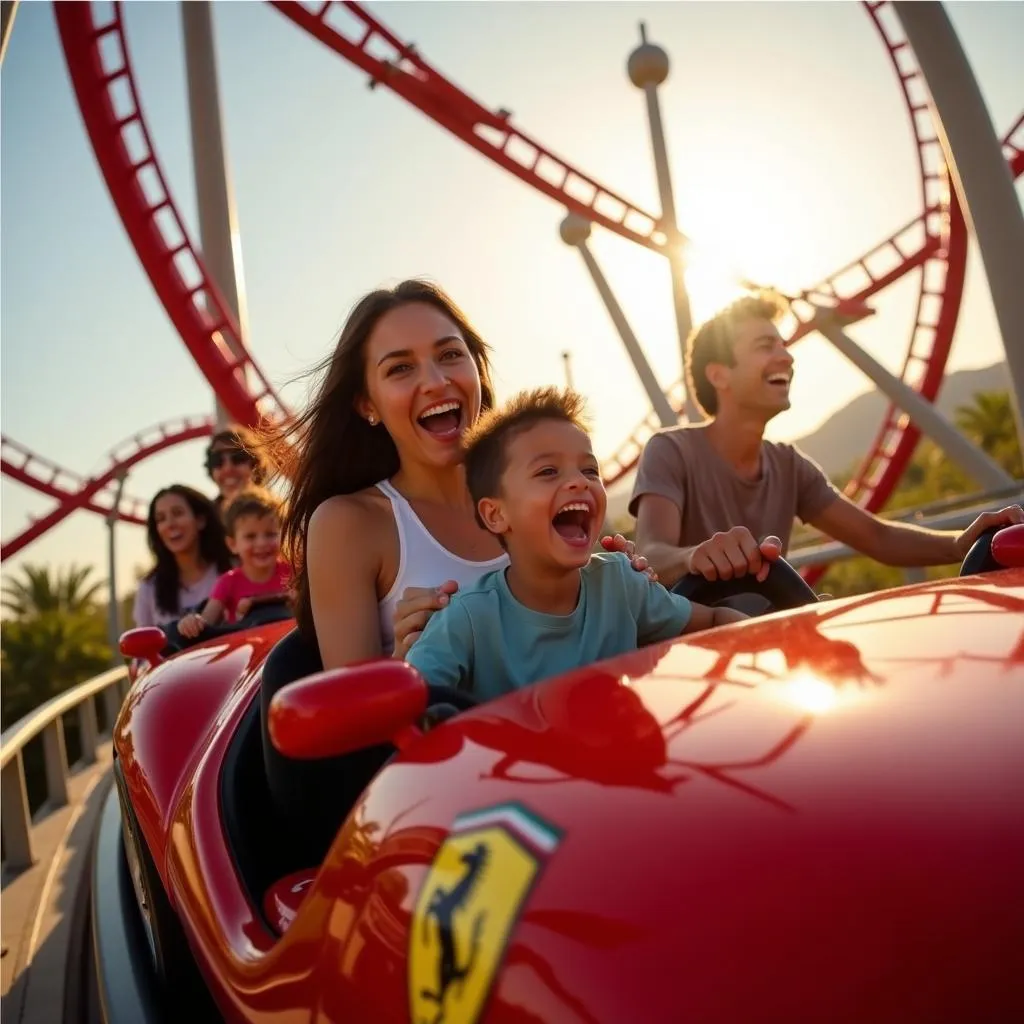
(343, 556)
(143, 609)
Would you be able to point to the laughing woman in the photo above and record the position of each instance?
(186, 537)
(379, 524)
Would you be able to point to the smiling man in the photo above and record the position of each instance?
(719, 500)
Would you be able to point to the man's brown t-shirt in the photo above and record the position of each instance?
(680, 464)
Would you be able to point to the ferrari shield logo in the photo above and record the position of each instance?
(467, 908)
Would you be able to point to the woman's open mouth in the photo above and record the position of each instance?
(572, 523)
(443, 420)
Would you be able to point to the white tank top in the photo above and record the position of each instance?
(422, 562)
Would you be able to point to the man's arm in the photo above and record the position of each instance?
(903, 544)
(657, 533)
(659, 494)
(724, 555)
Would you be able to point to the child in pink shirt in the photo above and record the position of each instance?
(252, 522)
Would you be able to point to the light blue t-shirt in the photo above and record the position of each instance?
(487, 642)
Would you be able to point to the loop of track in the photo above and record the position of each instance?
(935, 242)
(123, 457)
(40, 474)
(100, 69)
(405, 72)
(1013, 148)
(353, 33)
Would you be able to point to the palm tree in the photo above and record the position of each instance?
(55, 637)
(42, 655)
(987, 419)
(37, 592)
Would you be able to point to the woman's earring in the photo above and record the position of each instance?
(372, 420)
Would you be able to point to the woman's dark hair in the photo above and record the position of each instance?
(330, 449)
(213, 549)
(239, 438)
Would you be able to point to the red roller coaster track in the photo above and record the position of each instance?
(40, 474)
(101, 74)
(72, 492)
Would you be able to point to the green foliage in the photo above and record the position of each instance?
(931, 477)
(55, 639)
(38, 592)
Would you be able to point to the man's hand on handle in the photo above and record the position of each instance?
(1012, 515)
(734, 553)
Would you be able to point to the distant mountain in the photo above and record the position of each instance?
(845, 436)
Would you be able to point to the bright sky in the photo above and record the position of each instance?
(790, 151)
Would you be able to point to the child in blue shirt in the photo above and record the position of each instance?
(535, 482)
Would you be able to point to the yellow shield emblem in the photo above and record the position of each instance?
(467, 908)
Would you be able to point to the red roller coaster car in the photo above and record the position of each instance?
(814, 815)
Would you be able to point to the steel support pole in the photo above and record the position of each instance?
(981, 177)
(575, 231)
(973, 461)
(8, 9)
(113, 612)
(648, 67)
(567, 360)
(218, 221)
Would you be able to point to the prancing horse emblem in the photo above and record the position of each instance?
(467, 908)
(441, 910)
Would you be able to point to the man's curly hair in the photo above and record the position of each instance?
(712, 342)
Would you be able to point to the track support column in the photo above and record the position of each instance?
(575, 231)
(973, 461)
(8, 9)
(218, 221)
(647, 68)
(113, 612)
(983, 182)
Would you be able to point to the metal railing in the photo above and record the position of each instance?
(15, 818)
(833, 551)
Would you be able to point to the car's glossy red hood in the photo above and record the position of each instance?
(171, 714)
(824, 809)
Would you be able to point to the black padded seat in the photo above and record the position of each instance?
(311, 798)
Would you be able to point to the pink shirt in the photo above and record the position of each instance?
(234, 585)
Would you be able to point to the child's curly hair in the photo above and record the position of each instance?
(252, 501)
(486, 443)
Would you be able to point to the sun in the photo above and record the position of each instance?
(712, 281)
(719, 266)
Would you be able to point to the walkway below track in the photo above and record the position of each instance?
(44, 908)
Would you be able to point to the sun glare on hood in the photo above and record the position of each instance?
(810, 693)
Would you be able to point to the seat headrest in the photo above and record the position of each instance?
(293, 657)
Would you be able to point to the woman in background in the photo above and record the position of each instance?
(187, 539)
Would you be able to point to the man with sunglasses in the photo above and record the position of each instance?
(233, 463)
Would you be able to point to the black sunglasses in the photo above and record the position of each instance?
(216, 459)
